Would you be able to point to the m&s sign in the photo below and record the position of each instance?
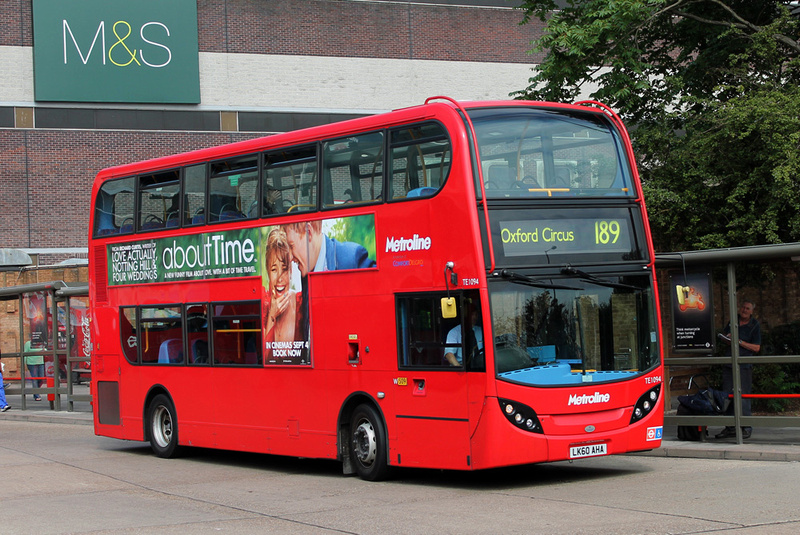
(116, 51)
(158, 34)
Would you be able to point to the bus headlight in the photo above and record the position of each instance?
(645, 403)
(521, 416)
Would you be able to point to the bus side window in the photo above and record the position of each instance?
(161, 335)
(194, 195)
(233, 189)
(421, 330)
(113, 207)
(237, 333)
(352, 170)
(197, 333)
(420, 160)
(290, 178)
(128, 332)
(159, 200)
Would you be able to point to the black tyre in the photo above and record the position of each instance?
(162, 426)
(368, 444)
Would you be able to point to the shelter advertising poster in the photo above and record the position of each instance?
(35, 305)
(692, 312)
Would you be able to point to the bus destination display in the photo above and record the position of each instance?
(533, 237)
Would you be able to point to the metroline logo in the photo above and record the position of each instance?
(415, 243)
(589, 399)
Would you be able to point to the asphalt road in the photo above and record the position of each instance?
(58, 478)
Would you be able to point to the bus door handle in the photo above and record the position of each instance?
(419, 385)
(353, 352)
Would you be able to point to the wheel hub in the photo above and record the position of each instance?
(162, 427)
(365, 443)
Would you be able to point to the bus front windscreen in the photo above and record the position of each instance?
(532, 153)
(573, 331)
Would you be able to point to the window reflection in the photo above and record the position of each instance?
(560, 336)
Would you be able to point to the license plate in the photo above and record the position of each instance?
(587, 450)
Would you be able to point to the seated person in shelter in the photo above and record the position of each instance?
(474, 342)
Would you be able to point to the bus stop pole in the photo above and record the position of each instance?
(735, 372)
(54, 338)
(22, 367)
(67, 357)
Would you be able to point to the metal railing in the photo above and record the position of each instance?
(738, 420)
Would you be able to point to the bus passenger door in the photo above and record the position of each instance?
(432, 405)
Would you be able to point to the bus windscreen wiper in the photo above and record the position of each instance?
(588, 277)
(530, 281)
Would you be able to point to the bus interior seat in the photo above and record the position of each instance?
(562, 178)
(173, 220)
(229, 213)
(253, 210)
(422, 192)
(251, 351)
(152, 224)
(170, 351)
(200, 351)
(499, 177)
(199, 217)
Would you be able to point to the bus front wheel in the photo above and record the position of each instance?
(162, 425)
(368, 444)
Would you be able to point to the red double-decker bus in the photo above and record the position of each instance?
(453, 285)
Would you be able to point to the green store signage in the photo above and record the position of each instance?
(114, 51)
(214, 255)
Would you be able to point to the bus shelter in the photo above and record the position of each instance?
(53, 327)
(691, 261)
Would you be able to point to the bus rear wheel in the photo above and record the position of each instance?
(162, 425)
(368, 444)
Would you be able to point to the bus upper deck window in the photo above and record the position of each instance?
(159, 200)
(352, 170)
(290, 180)
(194, 195)
(535, 153)
(420, 160)
(233, 189)
(114, 207)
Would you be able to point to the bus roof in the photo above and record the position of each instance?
(433, 106)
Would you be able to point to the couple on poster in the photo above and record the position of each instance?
(291, 252)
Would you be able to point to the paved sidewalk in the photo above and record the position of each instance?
(48, 416)
(766, 444)
(41, 411)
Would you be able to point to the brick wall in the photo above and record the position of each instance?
(57, 168)
(394, 30)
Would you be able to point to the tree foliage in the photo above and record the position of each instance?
(711, 88)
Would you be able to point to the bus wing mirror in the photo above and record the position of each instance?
(449, 307)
